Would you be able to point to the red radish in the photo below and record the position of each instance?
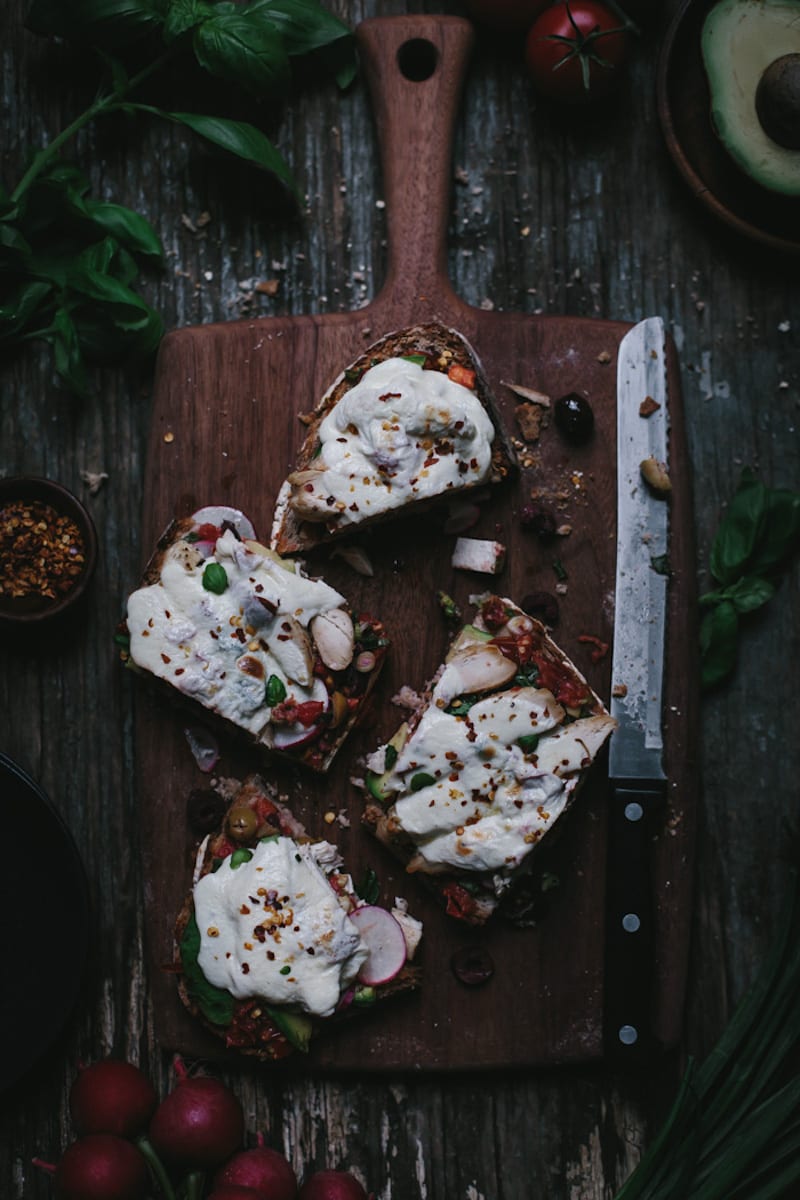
(198, 1125)
(100, 1166)
(384, 938)
(232, 1191)
(332, 1185)
(263, 1169)
(204, 747)
(217, 514)
(112, 1096)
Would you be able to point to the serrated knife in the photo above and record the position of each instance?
(636, 769)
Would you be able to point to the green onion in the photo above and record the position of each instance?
(734, 1129)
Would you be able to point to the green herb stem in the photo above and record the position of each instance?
(106, 104)
(157, 1169)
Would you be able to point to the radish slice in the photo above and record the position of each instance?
(385, 941)
(217, 514)
(287, 736)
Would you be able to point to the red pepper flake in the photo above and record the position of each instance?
(601, 648)
(41, 551)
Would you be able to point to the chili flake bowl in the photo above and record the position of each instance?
(48, 550)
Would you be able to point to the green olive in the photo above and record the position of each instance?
(242, 823)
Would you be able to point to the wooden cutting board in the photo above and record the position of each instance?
(225, 430)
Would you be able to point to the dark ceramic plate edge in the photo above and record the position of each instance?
(65, 995)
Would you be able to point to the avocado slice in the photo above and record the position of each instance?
(740, 42)
(297, 1028)
(376, 783)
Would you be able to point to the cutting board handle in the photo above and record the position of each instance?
(415, 68)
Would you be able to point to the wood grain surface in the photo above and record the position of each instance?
(549, 213)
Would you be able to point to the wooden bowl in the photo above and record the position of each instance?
(684, 108)
(35, 605)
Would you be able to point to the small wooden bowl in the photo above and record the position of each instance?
(34, 607)
(684, 109)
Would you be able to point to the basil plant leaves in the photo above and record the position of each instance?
(68, 261)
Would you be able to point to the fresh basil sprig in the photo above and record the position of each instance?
(68, 261)
(759, 532)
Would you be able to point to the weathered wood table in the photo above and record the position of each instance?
(577, 213)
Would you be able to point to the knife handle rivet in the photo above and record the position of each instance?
(628, 1035)
(634, 811)
(631, 923)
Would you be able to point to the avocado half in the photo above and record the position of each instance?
(741, 40)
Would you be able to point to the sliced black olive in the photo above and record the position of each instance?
(541, 605)
(204, 809)
(472, 965)
(574, 417)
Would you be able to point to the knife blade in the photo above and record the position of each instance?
(636, 769)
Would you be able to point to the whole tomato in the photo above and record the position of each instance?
(507, 16)
(575, 51)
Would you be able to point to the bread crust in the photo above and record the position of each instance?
(271, 1043)
(291, 534)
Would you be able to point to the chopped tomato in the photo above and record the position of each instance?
(309, 711)
(493, 612)
(460, 902)
(557, 679)
(462, 375)
(264, 808)
(207, 532)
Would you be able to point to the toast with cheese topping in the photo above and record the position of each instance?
(277, 656)
(274, 943)
(489, 761)
(411, 421)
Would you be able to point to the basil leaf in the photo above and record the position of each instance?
(128, 227)
(245, 51)
(303, 24)
(750, 592)
(718, 641)
(67, 354)
(780, 530)
(17, 313)
(215, 578)
(239, 138)
(183, 15)
(216, 1004)
(739, 531)
(13, 244)
(421, 780)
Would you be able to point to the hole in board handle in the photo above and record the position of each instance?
(417, 59)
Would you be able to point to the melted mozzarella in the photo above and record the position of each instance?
(401, 433)
(221, 649)
(273, 927)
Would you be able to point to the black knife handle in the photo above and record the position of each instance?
(630, 935)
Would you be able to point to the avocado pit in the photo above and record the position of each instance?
(778, 101)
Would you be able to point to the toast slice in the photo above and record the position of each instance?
(489, 761)
(412, 420)
(230, 626)
(274, 944)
